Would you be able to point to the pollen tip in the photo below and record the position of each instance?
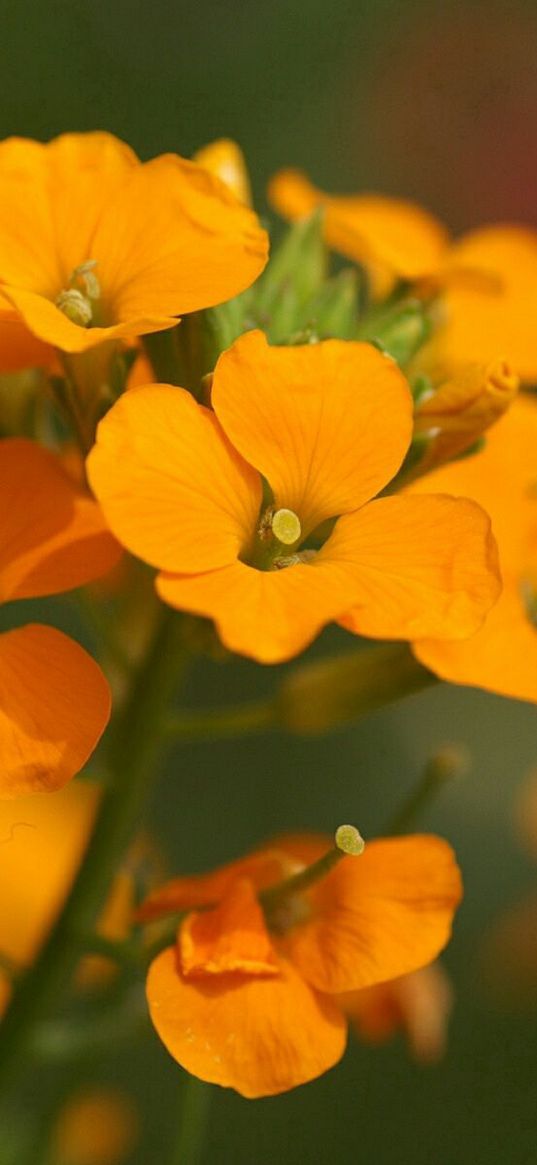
(349, 840)
(286, 526)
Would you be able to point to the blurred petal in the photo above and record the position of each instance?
(481, 321)
(427, 565)
(398, 239)
(378, 916)
(54, 706)
(260, 1036)
(225, 159)
(419, 1004)
(326, 424)
(20, 349)
(172, 488)
(53, 536)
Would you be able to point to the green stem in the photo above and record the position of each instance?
(132, 756)
(446, 764)
(221, 723)
(188, 1148)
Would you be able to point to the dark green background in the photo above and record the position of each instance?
(437, 102)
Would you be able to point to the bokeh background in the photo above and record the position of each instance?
(432, 101)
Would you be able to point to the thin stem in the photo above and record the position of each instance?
(188, 1148)
(132, 755)
(221, 723)
(446, 764)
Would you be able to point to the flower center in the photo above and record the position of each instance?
(286, 527)
(80, 301)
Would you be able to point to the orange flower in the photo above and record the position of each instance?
(461, 409)
(95, 246)
(54, 700)
(418, 1004)
(502, 655)
(489, 276)
(225, 160)
(248, 997)
(327, 426)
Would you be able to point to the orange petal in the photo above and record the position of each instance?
(312, 419)
(195, 890)
(19, 349)
(378, 916)
(432, 564)
(51, 197)
(260, 1036)
(419, 1003)
(51, 326)
(267, 615)
(42, 840)
(398, 239)
(225, 159)
(231, 937)
(502, 656)
(481, 321)
(173, 239)
(172, 488)
(54, 706)
(53, 536)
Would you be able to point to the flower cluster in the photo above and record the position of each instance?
(287, 448)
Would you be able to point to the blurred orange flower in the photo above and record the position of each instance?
(488, 277)
(54, 699)
(502, 655)
(327, 426)
(97, 1126)
(417, 1004)
(96, 246)
(248, 997)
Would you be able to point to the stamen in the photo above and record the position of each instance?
(75, 306)
(286, 527)
(78, 301)
(348, 843)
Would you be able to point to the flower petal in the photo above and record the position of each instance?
(19, 348)
(502, 655)
(260, 1036)
(51, 326)
(43, 839)
(426, 565)
(191, 891)
(172, 488)
(53, 536)
(173, 239)
(54, 706)
(327, 424)
(397, 239)
(378, 916)
(230, 937)
(267, 615)
(483, 321)
(51, 197)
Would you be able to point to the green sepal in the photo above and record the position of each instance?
(333, 311)
(400, 332)
(297, 263)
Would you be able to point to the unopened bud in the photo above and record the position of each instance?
(225, 160)
(349, 840)
(462, 408)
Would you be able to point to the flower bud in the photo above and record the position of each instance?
(225, 159)
(462, 408)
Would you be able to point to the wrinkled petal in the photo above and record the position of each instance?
(430, 564)
(397, 239)
(260, 1036)
(483, 321)
(172, 488)
(194, 890)
(54, 706)
(312, 419)
(379, 915)
(173, 239)
(230, 937)
(53, 536)
(267, 615)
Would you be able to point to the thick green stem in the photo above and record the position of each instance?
(188, 1148)
(132, 763)
(221, 723)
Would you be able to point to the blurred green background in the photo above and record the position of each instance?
(439, 103)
